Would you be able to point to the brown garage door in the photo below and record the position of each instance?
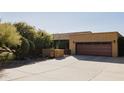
(94, 48)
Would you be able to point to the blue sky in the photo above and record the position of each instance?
(69, 22)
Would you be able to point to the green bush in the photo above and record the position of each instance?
(32, 45)
(43, 40)
(32, 48)
(22, 40)
(26, 30)
(23, 50)
(5, 56)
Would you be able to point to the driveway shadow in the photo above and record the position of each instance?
(1, 73)
(18, 63)
(118, 60)
(61, 58)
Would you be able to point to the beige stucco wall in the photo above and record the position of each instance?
(63, 36)
(95, 37)
(66, 36)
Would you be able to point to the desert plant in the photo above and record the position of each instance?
(5, 56)
(23, 50)
(9, 37)
(26, 30)
(43, 40)
(32, 48)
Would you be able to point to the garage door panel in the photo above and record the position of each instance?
(101, 49)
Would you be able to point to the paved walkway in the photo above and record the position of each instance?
(69, 68)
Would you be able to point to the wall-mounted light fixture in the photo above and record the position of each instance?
(114, 41)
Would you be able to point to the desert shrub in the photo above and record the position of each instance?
(32, 45)
(23, 50)
(38, 39)
(43, 40)
(32, 48)
(5, 56)
(9, 36)
(26, 30)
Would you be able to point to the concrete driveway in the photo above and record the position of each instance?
(69, 68)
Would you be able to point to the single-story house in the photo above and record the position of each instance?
(88, 43)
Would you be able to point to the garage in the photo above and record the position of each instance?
(90, 43)
(94, 48)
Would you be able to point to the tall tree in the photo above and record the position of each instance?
(43, 40)
(26, 30)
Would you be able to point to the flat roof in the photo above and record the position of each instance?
(74, 32)
(67, 35)
(101, 33)
(87, 32)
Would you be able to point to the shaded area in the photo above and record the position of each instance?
(1, 72)
(118, 60)
(18, 63)
(61, 58)
(121, 46)
(61, 44)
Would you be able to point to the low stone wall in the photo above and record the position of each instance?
(53, 53)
